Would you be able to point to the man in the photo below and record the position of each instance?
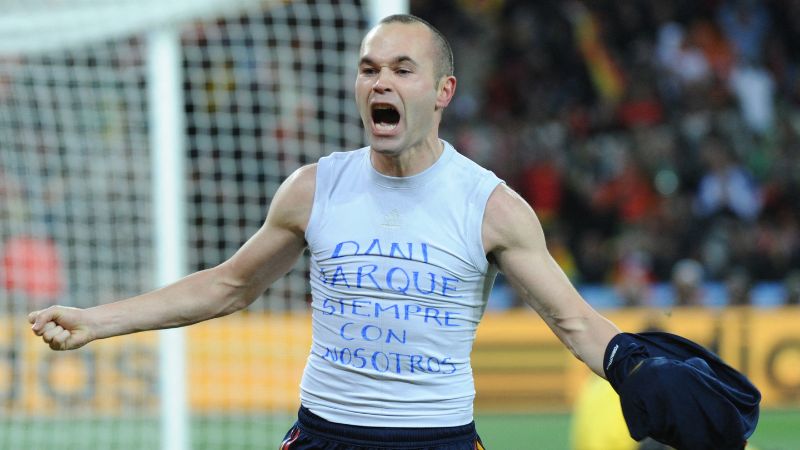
(405, 238)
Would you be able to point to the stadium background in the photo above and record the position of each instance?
(619, 121)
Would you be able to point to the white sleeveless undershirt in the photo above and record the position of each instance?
(399, 281)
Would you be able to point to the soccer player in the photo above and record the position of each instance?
(406, 236)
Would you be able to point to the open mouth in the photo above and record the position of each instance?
(385, 117)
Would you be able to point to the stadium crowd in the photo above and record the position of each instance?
(658, 141)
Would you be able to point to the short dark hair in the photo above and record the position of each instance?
(444, 54)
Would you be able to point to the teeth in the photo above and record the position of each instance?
(385, 126)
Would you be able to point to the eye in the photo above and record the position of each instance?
(367, 71)
(403, 71)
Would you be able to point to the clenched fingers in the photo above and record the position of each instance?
(55, 335)
(51, 330)
(39, 320)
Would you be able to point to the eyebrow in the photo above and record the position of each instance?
(398, 60)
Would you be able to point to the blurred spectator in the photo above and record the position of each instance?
(755, 90)
(726, 187)
(542, 182)
(640, 106)
(633, 283)
(687, 283)
(685, 64)
(628, 190)
(745, 24)
(776, 245)
(633, 271)
(678, 119)
(716, 48)
(593, 258)
(792, 288)
(738, 287)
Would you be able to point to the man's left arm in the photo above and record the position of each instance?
(670, 388)
(514, 239)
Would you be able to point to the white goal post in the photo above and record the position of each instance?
(141, 140)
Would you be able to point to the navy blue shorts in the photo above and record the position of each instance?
(312, 432)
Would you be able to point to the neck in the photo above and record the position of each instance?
(409, 161)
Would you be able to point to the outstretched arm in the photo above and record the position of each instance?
(513, 237)
(268, 255)
(670, 388)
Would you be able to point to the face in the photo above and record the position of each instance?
(398, 95)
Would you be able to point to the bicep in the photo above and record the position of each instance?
(272, 251)
(515, 240)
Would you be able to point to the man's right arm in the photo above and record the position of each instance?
(268, 255)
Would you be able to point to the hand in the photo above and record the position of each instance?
(679, 393)
(61, 327)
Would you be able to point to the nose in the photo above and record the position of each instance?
(382, 83)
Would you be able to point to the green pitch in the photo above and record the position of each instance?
(777, 430)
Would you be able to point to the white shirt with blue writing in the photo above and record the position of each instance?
(399, 281)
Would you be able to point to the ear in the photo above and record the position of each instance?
(445, 91)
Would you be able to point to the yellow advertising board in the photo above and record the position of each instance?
(519, 364)
(253, 362)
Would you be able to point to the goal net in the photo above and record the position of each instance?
(266, 88)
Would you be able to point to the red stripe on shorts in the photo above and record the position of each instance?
(287, 443)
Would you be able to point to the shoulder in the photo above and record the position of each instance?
(461, 162)
(509, 222)
(330, 168)
(300, 185)
(291, 205)
(467, 176)
(337, 159)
